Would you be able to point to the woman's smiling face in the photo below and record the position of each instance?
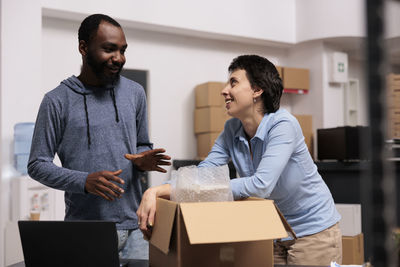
(238, 94)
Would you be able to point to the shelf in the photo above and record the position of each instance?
(296, 91)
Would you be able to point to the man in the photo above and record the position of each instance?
(97, 125)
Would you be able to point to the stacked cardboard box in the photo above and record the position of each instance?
(279, 69)
(393, 104)
(209, 115)
(353, 238)
(305, 122)
(295, 79)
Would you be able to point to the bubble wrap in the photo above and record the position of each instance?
(205, 184)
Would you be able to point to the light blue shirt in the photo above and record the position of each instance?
(281, 169)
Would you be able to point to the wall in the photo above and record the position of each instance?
(235, 19)
(20, 83)
(176, 64)
(333, 97)
(316, 19)
(356, 71)
(308, 55)
(180, 48)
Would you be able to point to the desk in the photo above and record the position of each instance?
(132, 263)
(145, 263)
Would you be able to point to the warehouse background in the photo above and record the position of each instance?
(182, 44)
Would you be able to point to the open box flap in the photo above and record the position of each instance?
(236, 221)
(164, 222)
(287, 226)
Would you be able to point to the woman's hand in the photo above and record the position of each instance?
(147, 208)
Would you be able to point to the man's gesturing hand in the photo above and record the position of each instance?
(101, 184)
(150, 160)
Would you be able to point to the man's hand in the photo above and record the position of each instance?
(150, 160)
(100, 183)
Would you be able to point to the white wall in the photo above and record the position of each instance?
(176, 64)
(251, 19)
(322, 19)
(20, 84)
(308, 55)
(181, 44)
(356, 71)
(392, 18)
(333, 97)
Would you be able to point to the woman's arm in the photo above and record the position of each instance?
(147, 207)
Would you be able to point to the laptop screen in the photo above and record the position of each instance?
(69, 243)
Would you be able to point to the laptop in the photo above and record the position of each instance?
(70, 243)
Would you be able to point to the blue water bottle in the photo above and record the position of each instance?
(22, 145)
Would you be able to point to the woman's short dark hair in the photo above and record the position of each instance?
(90, 25)
(262, 74)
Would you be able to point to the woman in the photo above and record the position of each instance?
(266, 145)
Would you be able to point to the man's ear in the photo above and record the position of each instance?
(83, 48)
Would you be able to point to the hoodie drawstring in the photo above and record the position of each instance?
(87, 121)
(112, 93)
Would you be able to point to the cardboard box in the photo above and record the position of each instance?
(294, 78)
(305, 122)
(205, 142)
(393, 100)
(353, 249)
(393, 115)
(350, 224)
(216, 233)
(209, 95)
(393, 80)
(279, 69)
(209, 119)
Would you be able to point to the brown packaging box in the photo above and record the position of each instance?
(305, 122)
(353, 249)
(216, 233)
(209, 119)
(279, 69)
(294, 78)
(205, 142)
(393, 100)
(209, 94)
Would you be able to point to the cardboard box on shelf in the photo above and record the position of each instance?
(394, 130)
(209, 94)
(393, 115)
(305, 122)
(350, 224)
(353, 249)
(279, 69)
(209, 119)
(205, 142)
(294, 78)
(393, 100)
(393, 80)
(214, 234)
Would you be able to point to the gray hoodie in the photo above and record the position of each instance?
(91, 129)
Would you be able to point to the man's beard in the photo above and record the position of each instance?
(98, 69)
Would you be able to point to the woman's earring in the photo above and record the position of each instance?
(254, 100)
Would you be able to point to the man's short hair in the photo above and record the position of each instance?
(262, 74)
(90, 25)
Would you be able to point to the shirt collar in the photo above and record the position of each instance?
(262, 129)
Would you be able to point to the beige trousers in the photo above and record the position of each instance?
(317, 249)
